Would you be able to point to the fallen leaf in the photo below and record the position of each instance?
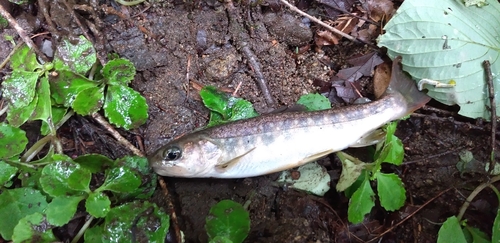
(380, 9)
(381, 79)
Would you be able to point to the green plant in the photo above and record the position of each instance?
(38, 196)
(356, 178)
(454, 229)
(227, 221)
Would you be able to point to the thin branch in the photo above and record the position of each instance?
(117, 135)
(493, 112)
(173, 215)
(474, 194)
(242, 38)
(328, 27)
(22, 33)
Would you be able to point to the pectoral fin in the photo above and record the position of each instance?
(370, 139)
(229, 164)
(315, 156)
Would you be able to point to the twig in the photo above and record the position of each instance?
(22, 33)
(10, 54)
(433, 156)
(116, 135)
(474, 194)
(409, 216)
(493, 112)
(444, 119)
(241, 39)
(328, 27)
(170, 206)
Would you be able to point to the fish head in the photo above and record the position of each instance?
(188, 156)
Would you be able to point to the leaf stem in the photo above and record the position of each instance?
(35, 149)
(82, 230)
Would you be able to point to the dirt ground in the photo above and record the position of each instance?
(177, 45)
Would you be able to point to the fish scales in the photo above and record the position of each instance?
(276, 142)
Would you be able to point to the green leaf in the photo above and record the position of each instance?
(132, 222)
(12, 141)
(354, 187)
(125, 107)
(448, 42)
(225, 108)
(77, 55)
(33, 227)
(495, 232)
(89, 101)
(216, 100)
(66, 85)
(140, 166)
(57, 178)
(94, 162)
(119, 71)
(24, 59)
(242, 109)
(62, 209)
(351, 170)
(220, 239)
(391, 191)
(93, 234)
(7, 172)
(57, 115)
(17, 116)
(228, 219)
(19, 88)
(450, 231)
(98, 204)
(477, 235)
(120, 179)
(361, 203)
(17, 203)
(314, 102)
(393, 150)
(43, 109)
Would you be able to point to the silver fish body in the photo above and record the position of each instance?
(276, 142)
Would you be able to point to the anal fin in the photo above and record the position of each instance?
(370, 138)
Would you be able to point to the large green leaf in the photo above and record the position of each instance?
(446, 41)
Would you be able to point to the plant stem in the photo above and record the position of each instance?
(82, 230)
(35, 149)
(474, 194)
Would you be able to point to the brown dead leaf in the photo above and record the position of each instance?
(325, 38)
(380, 9)
(368, 34)
(381, 79)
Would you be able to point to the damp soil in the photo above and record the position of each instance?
(177, 47)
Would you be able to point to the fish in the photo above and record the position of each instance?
(280, 141)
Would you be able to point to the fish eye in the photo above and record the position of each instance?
(172, 153)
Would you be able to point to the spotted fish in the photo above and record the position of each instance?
(276, 142)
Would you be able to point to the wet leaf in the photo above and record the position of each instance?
(93, 234)
(314, 102)
(119, 72)
(451, 231)
(361, 202)
(17, 203)
(125, 107)
(94, 162)
(19, 88)
(66, 85)
(7, 172)
(140, 166)
(215, 100)
(24, 59)
(77, 55)
(391, 191)
(62, 209)
(120, 179)
(17, 116)
(136, 221)
(89, 101)
(241, 109)
(228, 219)
(98, 204)
(32, 227)
(12, 141)
(57, 178)
(57, 115)
(43, 109)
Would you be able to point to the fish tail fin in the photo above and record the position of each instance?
(403, 84)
